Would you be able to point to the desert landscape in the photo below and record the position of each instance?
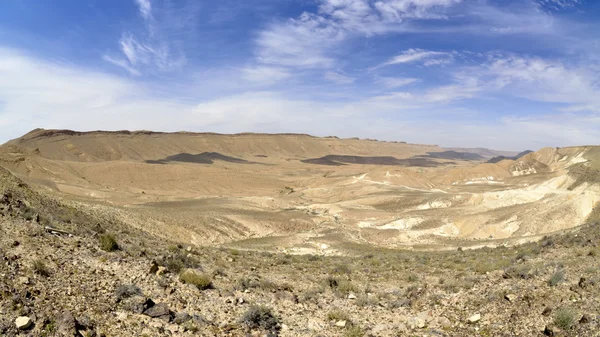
(147, 233)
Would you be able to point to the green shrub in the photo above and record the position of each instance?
(346, 287)
(29, 213)
(175, 264)
(126, 291)
(200, 280)
(108, 243)
(354, 331)
(332, 282)
(565, 318)
(338, 315)
(260, 317)
(247, 283)
(39, 267)
(522, 271)
(556, 278)
(342, 269)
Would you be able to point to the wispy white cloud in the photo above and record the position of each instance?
(308, 40)
(265, 74)
(122, 63)
(559, 4)
(301, 42)
(338, 78)
(544, 80)
(149, 51)
(395, 82)
(145, 8)
(37, 93)
(415, 55)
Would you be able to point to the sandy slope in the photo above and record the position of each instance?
(257, 190)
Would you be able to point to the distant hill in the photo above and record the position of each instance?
(501, 158)
(483, 152)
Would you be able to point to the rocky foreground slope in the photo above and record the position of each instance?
(69, 269)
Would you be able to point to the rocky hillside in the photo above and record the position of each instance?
(70, 270)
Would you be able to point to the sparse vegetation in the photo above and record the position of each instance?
(40, 268)
(557, 277)
(338, 315)
(200, 280)
(520, 286)
(564, 318)
(108, 243)
(354, 331)
(126, 291)
(260, 317)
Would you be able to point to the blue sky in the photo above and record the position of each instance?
(501, 74)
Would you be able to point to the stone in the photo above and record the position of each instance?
(426, 316)
(585, 319)
(181, 317)
(351, 296)
(24, 280)
(417, 322)
(341, 324)
(23, 322)
(66, 324)
(153, 268)
(160, 310)
(474, 319)
(240, 301)
(548, 332)
(137, 304)
(161, 271)
(444, 322)
(379, 329)
(510, 297)
(547, 311)
(122, 316)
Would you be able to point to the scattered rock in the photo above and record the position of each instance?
(160, 310)
(23, 323)
(474, 319)
(444, 322)
(127, 291)
(510, 297)
(379, 329)
(181, 317)
(24, 280)
(548, 332)
(66, 324)
(153, 268)
(341, 324)
(417, 322)
(547, 311)
(585, 319)
(351, 296)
